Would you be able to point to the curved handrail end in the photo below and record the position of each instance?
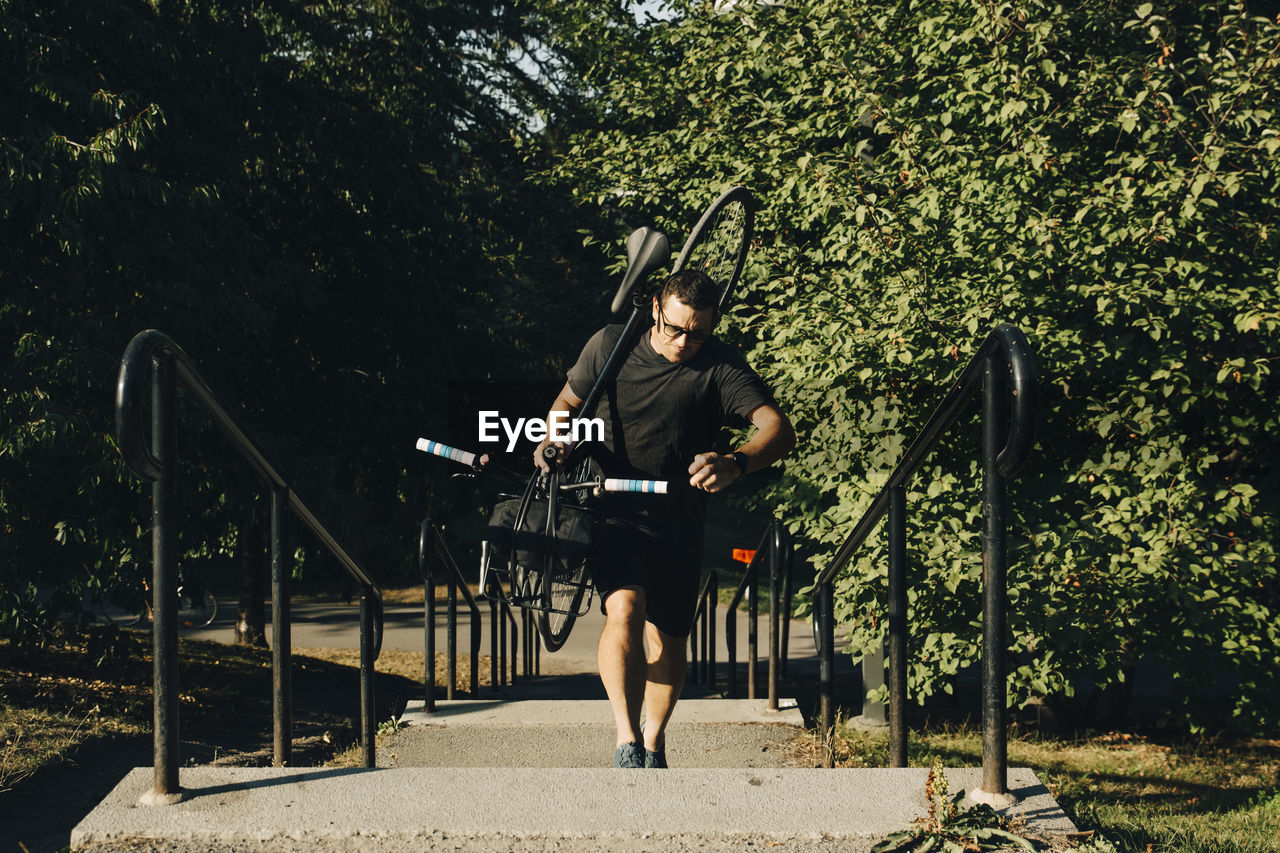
(131, 388)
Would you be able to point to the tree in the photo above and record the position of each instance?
(1103, 176)
(323, 204)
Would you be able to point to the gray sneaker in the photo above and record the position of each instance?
(629, 756)
(656, 759)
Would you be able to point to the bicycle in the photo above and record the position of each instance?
(547, 570)
(130, 605)
(539, 548)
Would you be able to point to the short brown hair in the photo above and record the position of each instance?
(692, 287)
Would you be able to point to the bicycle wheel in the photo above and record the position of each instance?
(110, 612)
(718, 243)
(561, 597)
(196, 606)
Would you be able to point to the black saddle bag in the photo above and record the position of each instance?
(527, 542)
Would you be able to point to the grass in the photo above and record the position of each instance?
(1141, 793)
(71, 726)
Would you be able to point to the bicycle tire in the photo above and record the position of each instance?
(719, 242)
(197, 607)
(561, 597)
(106, 607)
(123, 617)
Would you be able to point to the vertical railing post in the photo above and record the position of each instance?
(705, 628)
(786, 608)
(495, 647)
(429, 615)
(281, 642)
(526, 667)
(897, 627)
(530, 640)
(368, 725)
(775, 608)
(476, 632)
(994, 747)
(451, 634)
(712, 601)
(164, 586)
(826, 670)
(731, 645)
(753, 628)
(694, 675)
(515, 641)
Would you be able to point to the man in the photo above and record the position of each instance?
(676, 388)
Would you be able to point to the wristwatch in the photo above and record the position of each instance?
(741, 459)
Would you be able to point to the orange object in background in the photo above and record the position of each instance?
(744, 555)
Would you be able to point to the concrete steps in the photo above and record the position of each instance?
(531, 808)
(533, 780)
(545, 733)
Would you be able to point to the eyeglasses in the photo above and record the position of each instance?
(693, 336)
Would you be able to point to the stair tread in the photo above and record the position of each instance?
(228, 803)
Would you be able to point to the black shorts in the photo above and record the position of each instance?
(668, 572)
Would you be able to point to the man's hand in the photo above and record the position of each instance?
(712, 472)
(566, 403)
(562, 451)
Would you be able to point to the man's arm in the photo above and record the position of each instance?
(773, 439)
(568, 403)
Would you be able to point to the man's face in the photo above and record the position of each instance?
(678, 330)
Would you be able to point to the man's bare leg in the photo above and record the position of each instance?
(664, 679)
(621, 659)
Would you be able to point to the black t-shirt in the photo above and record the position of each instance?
(657, 415)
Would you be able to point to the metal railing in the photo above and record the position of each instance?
(780, 553)
(702, 668)
(1004, 359)
(432, 548)
(155, 353)
(429, 544)
(775, 547)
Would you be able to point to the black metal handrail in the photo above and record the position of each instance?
(1004, 359)
(532, 649)
(156, 461)
(499, 616)
(750, 585)
(703, 636)
(430, 542)
(775, 548)
(779, 609)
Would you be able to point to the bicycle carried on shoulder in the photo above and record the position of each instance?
(539, 546)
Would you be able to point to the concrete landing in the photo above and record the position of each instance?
(531, 733)
(537, 712)
(484, 809)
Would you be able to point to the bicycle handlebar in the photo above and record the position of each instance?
(653, 487)
(610, 484)
(453, 453)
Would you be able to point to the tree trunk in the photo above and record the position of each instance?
(251, 615)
